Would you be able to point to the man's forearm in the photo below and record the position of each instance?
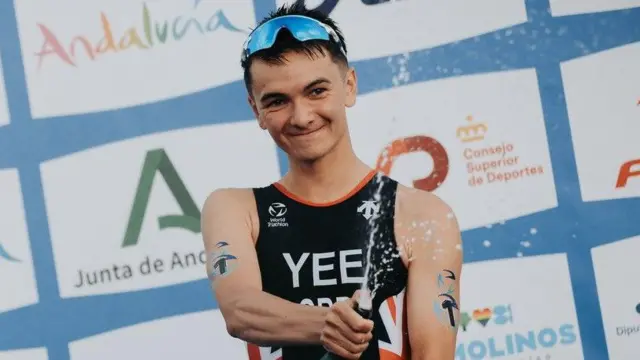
(263, 319)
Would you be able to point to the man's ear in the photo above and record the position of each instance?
(252, 103)
(351, 83)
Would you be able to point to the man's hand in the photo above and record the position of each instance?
(346, 333)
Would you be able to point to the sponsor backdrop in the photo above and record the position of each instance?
(117, 118)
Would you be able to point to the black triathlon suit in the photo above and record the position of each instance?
(315, 254)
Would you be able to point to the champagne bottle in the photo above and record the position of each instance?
(364, 309)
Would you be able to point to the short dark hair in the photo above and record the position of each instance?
(285, 41)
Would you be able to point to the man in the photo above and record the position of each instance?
(302, 241)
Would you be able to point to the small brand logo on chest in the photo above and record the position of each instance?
(277, 211)
(368, 208)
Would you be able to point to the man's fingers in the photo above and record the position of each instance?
(339, 325)
(346, 333)
(332, 347)
(334, 342)
(350, 317)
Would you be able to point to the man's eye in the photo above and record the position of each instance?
(318, 91)
(276, 103)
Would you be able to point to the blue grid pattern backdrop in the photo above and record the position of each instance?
(574, 226)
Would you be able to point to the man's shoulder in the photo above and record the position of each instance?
(236, 198)
(422, 216)
(421, 204)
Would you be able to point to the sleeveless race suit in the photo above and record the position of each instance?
(315, 254)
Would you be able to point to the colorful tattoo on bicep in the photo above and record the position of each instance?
(221, 262)
(446, 306)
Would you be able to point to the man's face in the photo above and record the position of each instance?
(302, 102)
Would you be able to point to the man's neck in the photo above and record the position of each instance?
(327, 179)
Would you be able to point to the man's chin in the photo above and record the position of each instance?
(307, 155)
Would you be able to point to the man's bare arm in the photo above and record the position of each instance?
(250, 314)
(431, 236)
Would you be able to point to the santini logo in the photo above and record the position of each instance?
(277, 211)
(6, 256)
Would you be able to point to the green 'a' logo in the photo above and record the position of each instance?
(157, 161)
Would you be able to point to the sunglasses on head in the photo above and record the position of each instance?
(301, 27)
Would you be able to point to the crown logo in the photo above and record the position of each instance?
(472, 132)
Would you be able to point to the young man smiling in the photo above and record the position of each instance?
(303, 240)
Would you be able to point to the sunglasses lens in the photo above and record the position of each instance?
(301, 27)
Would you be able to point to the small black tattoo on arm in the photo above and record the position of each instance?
(222, 263)
(446, 306)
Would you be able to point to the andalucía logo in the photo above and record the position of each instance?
(4, 255)
(156, 162)
(150, 32)
(535, 344)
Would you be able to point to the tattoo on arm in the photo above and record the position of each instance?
(222, 263)
(446, 306)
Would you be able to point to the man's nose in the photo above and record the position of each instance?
(302, 115)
